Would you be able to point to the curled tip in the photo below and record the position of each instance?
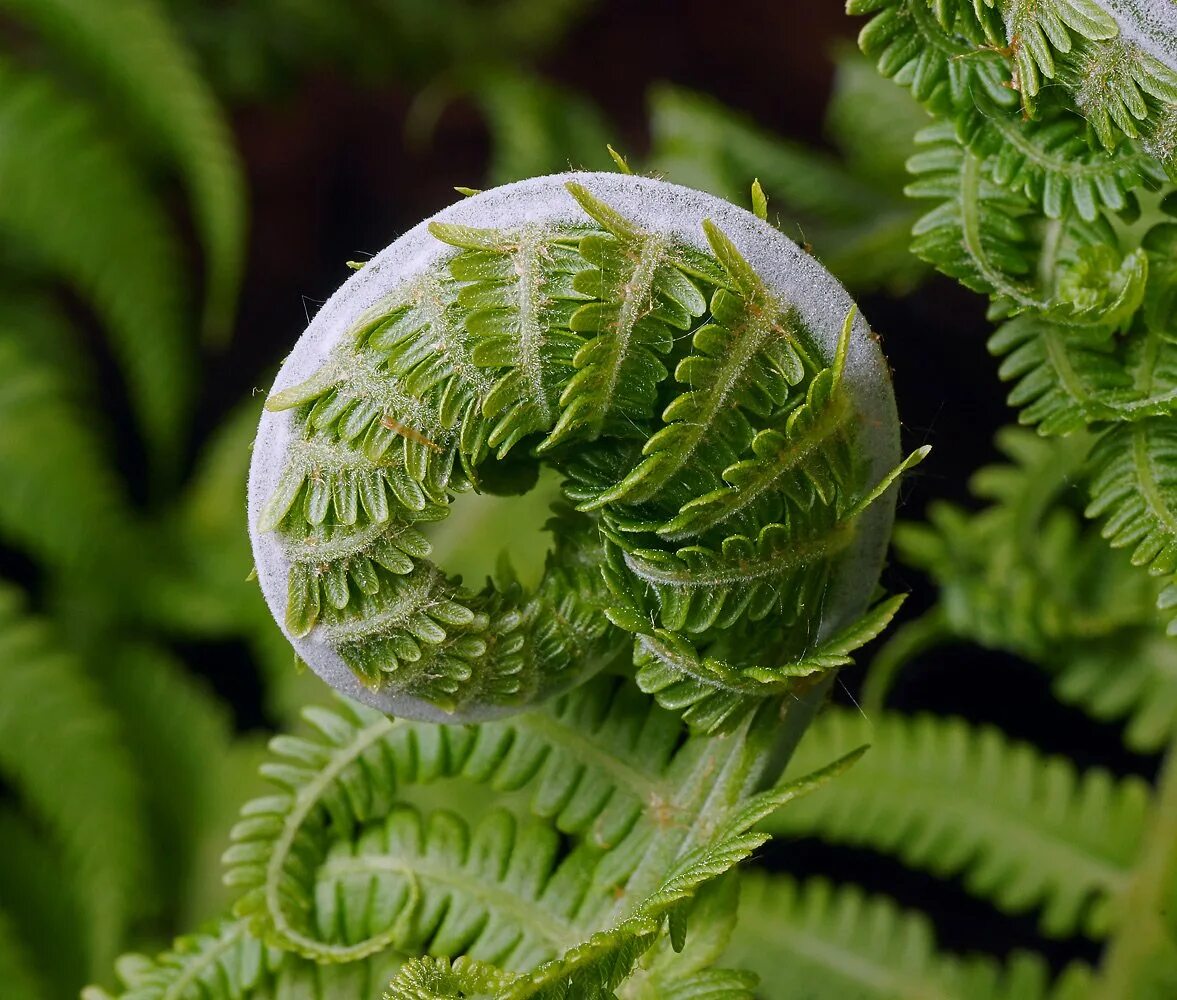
(739, 270)
(844, 342)
(620, 160)
(469, 192)
(606, 215)
(759, 200)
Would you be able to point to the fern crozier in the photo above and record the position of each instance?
(555, 316)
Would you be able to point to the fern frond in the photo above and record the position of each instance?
(116, 248)
(592, 970)
(228, 964)
(941, 52)
(1023, 575)
(853, 215)
(131, 50)
(1134, 489)
(824, 941)
(1051, 161)
(61, 499)
(183, 739)
(712, 693)
(977, 232)
(592, 765)
(84, 786)
(538, 128)
(1023, 829)
(641, 303)
(41, 920)
(703, 504)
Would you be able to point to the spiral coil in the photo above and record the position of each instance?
(723, 429)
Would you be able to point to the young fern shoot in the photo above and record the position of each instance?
(720, 417)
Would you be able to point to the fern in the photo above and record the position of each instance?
(84, 791)
(506, 891)
(1026, 831)
(132, 51)
(55, 158)
(852, 213)
(820, 940)
(1025, 576)
(1035, 199)
(61, 501)
(710, 502)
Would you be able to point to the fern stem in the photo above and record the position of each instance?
(796, 717)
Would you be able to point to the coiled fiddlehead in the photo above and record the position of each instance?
(723, 426)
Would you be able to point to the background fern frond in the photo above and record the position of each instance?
(81, 209)
(851, 211)
(1027, 576)
(130, 50)
(1024, 830)
(78, 778)
(61, 499)
(824, 941)
(539, 128)
(42, 921)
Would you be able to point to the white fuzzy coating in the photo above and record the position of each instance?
(791, 274)
(1151, 24)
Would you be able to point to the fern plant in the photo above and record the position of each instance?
(719, 544)
(548, 785)
(1052, 199)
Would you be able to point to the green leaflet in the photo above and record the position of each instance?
(836, 942)
(1024, 830)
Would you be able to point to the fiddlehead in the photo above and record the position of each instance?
(722, 423)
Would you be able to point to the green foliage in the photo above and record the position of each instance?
(130, 50)
(1039, 204)
(627, 822)
(83, 792)
(850, 209)
(54, 165)
(818, 940)
(575, 850)
(1024, 830)
(703, 505)
(1026, 575)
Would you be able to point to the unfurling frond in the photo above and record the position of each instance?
(708, 434)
